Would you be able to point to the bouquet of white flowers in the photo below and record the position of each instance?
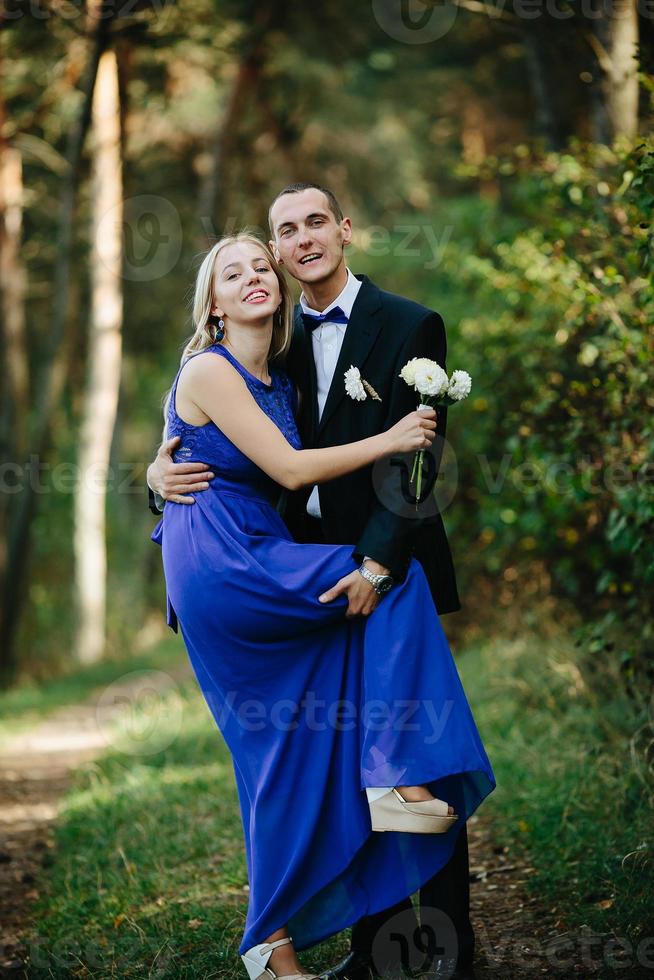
(436, 390)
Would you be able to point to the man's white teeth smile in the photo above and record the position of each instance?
(259, 294)
(310, 258)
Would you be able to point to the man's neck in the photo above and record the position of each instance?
(320, 295)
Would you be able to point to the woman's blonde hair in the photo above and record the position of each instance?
(203, 299)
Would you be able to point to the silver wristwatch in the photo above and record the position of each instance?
(380, 583)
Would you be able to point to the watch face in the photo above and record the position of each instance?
(385, 584)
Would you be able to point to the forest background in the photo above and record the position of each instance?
(498, 165)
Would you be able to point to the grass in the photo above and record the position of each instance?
(149, 877)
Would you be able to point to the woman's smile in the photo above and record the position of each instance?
(256, 296)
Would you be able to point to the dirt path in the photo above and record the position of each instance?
(36, 770)
(515, 938)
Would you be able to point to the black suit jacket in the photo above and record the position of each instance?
(383, 333)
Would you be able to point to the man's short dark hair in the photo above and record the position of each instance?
(334, 206)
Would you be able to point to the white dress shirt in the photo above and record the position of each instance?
(327, 340)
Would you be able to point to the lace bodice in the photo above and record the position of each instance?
(208, 444)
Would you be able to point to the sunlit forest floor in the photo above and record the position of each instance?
(124, 851)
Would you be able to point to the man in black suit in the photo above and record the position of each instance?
(343, 321)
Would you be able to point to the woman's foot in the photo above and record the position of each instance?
(413, 810)
(283, 960)
(284, 963)
(417, 794)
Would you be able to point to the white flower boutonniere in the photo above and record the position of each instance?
(357, 387)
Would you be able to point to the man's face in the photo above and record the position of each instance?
(308, 239)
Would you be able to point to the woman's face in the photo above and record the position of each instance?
(245, 285)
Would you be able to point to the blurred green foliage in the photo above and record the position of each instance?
(548, 299)
(571, 401)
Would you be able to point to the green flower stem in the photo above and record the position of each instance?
(425, 402)
(415, 463)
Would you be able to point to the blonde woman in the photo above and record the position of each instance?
(290, 679)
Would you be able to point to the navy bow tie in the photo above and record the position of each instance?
(336, 315)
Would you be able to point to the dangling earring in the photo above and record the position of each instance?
(219, 326)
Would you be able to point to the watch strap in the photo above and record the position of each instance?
(373, 578)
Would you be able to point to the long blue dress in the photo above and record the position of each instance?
(314, 707)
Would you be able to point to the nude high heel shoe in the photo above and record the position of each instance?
(256, 959)
(392, 812)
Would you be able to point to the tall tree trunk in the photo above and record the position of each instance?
(213, 200)
(101, 400)
(473, 138)
(623, 92)
(542, 88)
(614, 42)
(213, 204)
(602, 131)
(12, 291)
(13, 588)
(13, 363)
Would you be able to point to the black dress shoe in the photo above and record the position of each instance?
(448, 969)
(355, 966)
(359, 966)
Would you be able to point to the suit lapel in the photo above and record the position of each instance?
(362, 331)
